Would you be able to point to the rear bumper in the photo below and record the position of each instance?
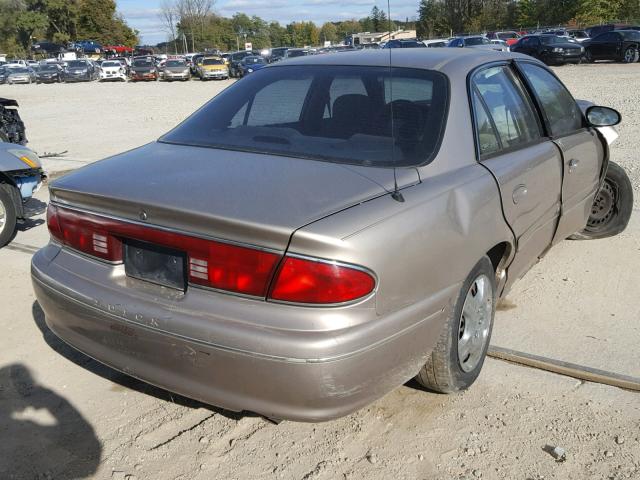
(285, 374)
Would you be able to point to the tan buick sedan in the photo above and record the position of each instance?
(328, 228)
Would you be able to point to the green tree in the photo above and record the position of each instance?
(28, 24)
(329, 33)
(597, 11)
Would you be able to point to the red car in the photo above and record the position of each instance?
(510, 37)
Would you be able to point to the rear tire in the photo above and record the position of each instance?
(588, 57)
(630, 55)
(611, 208)
(456, 360)
(7, 217)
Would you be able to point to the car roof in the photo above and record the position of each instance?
(449, 59)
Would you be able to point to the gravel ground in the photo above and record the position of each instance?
(63, 415)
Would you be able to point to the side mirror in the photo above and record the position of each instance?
(603, 116)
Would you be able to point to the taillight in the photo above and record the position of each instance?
(301, 280)
(211, 263)
(83, 232)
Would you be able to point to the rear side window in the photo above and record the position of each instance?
(508, 107)
(360, 115)
(560, 109)
(485, 131)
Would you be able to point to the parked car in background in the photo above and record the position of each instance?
(234, 62)
(176, 69)
(47, 48)
(4, 73)
(404, 44)
(579, 35)
(251, 63)
(143, 68)
(11, 125)
(20, 75)
(297, 52)
(277, 54)
(112, 70)
(509, 37)
(618, 45)
(213, 68)
(371, 230)
(21, 175)
(501, 43)
(80, 71)
(48, 73)
(436, 43)
(195, 62)
(477, 41)
(598, 29)
(550, 49)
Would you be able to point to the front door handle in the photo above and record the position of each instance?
(519, 193)
(573, 164)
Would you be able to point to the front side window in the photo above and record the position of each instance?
(346, 114)
(562, 112)
(508, 106)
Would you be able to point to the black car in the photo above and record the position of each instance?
(80, 71)
(551, 49)
(619, 45)
(48, 73)
(404, 44)
(47, 48)
(3, 74)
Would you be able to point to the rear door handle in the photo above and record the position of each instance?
(573, 164)
(519, 193)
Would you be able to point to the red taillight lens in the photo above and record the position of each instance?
(213, 264)
(86, 233)
(307, 281)
(230, 267)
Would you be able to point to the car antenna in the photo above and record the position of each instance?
(396, 195)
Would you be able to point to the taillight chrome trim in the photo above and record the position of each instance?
(201, 236)
(328, 262)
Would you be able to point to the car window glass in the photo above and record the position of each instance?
(343, 86)
(562, 112)
(486, 134)
(280, 102)
(511, 112)
(410, 89)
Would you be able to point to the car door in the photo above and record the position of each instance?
(582, 150)
(526, 165)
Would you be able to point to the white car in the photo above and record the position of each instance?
(112, 70)
(436, 43)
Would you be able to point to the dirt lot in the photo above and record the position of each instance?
(63, 415)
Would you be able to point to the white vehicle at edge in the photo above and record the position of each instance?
(112, 70)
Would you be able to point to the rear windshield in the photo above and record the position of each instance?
(77, 63)
(355, 115)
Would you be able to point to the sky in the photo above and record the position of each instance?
(143, 15)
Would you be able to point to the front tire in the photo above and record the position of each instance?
(611, 208)
(588, 56)
(7, 217)
(456, 360)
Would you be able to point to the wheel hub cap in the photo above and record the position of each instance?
(473, 329)
(3, 217)
(604, 205)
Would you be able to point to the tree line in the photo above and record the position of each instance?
(192, 25)
(24, 21)
(438, 18)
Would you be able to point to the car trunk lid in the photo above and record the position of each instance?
(255, 199)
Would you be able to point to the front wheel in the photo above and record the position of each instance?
(7, 217)
(612, 207)
(588, 56)
(456, 360)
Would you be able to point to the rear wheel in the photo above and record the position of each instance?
(457, 359)
(612, 207)
(630, 55)
(7, 217)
